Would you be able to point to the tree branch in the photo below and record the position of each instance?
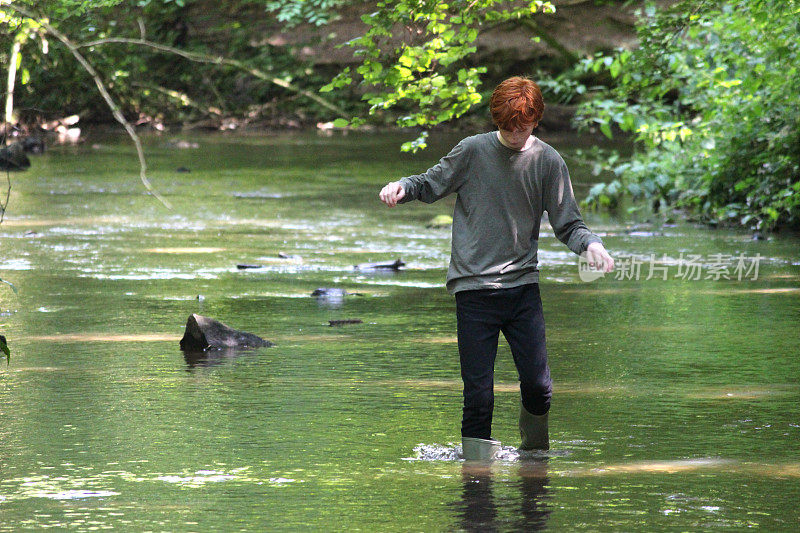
(4, 204)
(183, 98)
(219, 60)
(115, 110)
(568, 56)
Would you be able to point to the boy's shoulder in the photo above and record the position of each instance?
(479, 139)
(548, 152)
(546, 148)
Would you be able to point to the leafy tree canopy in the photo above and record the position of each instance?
(710, 97)
(412, 57)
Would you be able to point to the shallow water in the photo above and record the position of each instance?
(674, 404)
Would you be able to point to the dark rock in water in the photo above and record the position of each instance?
(244, 267)
(33, 145)
(12, 157)
(329, 292)
(183, 170)
(345, 322)
(332, 297)
(386, 265)
(758, 236)
(203, 333)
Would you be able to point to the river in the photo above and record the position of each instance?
(675, 398)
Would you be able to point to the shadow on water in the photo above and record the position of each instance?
(478, 507)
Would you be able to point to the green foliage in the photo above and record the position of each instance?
(62, 9)
(316, 12)
(413, 58)
(151, 86)
(710, 97)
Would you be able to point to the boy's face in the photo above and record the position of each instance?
(516, 139)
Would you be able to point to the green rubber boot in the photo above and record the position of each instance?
(533, 431)
(479, 449)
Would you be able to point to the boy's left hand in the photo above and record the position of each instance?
(598, 257)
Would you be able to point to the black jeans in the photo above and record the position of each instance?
(482, 315)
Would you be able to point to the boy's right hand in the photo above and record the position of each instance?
(392, 193)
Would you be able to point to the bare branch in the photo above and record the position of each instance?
(568, 56)
(219, 60)
(4, 205)
(115, 110)
(183, 98)
(4, 143)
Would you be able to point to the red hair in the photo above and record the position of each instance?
(516, 104)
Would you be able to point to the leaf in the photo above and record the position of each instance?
(341, 123)
(605, 127)
(615, 69)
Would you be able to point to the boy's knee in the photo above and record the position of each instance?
(536, 396)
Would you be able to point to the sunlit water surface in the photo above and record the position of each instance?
(675, 404)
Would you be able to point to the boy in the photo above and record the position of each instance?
(504, 180)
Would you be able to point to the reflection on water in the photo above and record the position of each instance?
(533, 488)
(479, 506)
(477, 509)
(673, 400)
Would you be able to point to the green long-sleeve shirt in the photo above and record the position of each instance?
(501, 195)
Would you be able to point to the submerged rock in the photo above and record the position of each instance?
(203, 333)
(345, 322)
(386, 265)
(211, 357)
(331, 297)
(329, 292)
(12, 157)
(181, 144)
(33, 145)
